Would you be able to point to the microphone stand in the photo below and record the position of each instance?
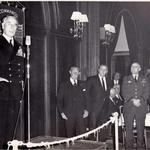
(28, 88)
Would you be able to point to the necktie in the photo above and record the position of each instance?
(11, 42)
(103, 83)
(75, 83)
(135, 78)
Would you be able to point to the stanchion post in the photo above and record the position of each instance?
(116, 133)
(15, 147)
(14, 144)
(28, 43)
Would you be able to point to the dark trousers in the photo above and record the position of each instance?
(8, 116)
(95, 119)
(137, 113)
(74, 125)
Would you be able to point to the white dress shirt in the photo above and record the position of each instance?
(116, 82)
(112, 99)
(73, 82)
(135, 76)
(105, 84)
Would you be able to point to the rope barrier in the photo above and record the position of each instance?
(15, 143)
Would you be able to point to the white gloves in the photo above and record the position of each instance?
(64, 116)
(3, 79)
(136, 102)
(86, 113)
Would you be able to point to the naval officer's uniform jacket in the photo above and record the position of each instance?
(12, 69)
(135, 89)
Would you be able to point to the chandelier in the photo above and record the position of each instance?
(79, 20)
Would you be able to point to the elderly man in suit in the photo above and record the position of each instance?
(72, 103)
(11, 79)
(111, 104)
(135, 91)
(97, 90)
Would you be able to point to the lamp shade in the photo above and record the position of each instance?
(75, 15)
(107, 27)
(112, 29)
(83, 18)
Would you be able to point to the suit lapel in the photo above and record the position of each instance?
(15, 48)
(131, 78)
(12, 50)
(99, 83)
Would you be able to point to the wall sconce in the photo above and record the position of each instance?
(79, 19)
(109, 34)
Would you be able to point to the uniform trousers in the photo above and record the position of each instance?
(9, 109)
(8, 118)
(130, 113)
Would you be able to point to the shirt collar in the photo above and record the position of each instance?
(117, 95)
(101, 76)
(72, 81)
(135, 75)
(7, 38)
(116, 81)
(111, 99)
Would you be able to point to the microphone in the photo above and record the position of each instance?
(28, 43)
(28, 40)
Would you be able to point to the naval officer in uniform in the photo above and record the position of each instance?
(11, 79)
(135, 91)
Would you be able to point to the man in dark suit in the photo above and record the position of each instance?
(11, 79)
(97, 90)
(72, 104)
(135, 91)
